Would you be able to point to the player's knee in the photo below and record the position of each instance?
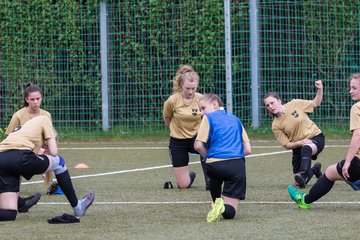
(57, 165)
(182, 185)
(306, 150)
(7, 215)
(229, 212)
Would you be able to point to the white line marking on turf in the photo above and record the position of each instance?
(112, 148)
(149, 168)
(160, 148)
(189, 202)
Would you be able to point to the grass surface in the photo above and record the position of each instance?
(134, 205)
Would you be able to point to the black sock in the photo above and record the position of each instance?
(21, 202)
(306, 153)
(215, 189)
(309, 174)
(229, 212)
(7, 215)
(66, 186)
(322, 186)
(204, 170)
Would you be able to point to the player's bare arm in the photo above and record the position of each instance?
(319, 93)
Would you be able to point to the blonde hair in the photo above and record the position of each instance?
(211, 97)
(354, 76)
(184, 72)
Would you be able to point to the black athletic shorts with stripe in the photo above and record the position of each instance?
(230, 172)
(16, 163)
(179, 150)
(354, 169)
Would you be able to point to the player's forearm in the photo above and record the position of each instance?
(200, 148)
(318, 98)
(353, 146)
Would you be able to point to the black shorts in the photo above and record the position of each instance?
(319, 141)
(230, 172)
(354, 169)
(16, 163)
(179, 150)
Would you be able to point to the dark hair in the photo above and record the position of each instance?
(272, 94)
(30, 88)
(211, 97)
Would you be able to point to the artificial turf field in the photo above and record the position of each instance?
(130, 202)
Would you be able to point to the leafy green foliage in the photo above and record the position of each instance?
(46, 43)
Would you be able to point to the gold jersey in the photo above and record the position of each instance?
(30, 136)
(295, 125)
(21, 117)
(185, 117)
(355, 121)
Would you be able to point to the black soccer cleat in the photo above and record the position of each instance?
(192, 176)
(207, 184)
(316, 169)
(29, 202)
(53, 187)
(299, 181)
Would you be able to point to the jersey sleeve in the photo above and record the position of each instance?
(48, 115)
(245, 137)
(355, 117)
(168, 109)
(48, 131)
(14, 122)
(204, 129)
(306, 105)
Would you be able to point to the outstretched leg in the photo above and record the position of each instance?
(57, 164)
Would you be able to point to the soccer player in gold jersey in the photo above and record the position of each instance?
(32, 108)
(345, 170)
(18, 157)
(181, 113)
(296, 131)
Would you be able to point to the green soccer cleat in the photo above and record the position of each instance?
(216, 211)
(298, 197)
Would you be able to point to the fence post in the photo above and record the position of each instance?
(104, 66)
(228, 61)
(254, 58)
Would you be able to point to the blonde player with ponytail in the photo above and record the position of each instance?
(181, 114)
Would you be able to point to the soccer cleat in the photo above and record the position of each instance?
(216, 211)
(29, 202)
(298, 197)
(299, 181)
(84, 204)
(355, 185)
(316, 169)
(192, 176)
(52, 188)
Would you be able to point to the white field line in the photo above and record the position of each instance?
(148, 168)
(166, 166)
(193, 202)
(155, 167)
(161, 148)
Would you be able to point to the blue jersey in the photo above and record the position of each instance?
(225, 136)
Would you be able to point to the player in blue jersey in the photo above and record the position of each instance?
(223, 142)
